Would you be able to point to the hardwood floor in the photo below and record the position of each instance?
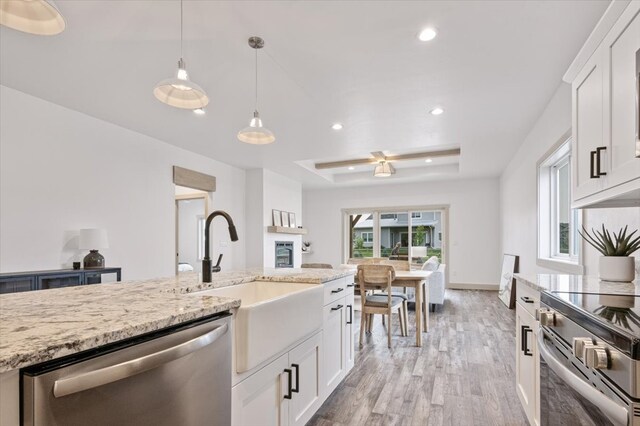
(464, 374)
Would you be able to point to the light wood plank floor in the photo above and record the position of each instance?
(464, 374)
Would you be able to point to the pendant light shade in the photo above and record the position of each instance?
(383, 169)
(256, 133)
(180, 92)
(38, 17)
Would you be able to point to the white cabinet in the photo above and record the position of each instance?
(527, 358)
(606, 169)
(287, 391)
(337, 329)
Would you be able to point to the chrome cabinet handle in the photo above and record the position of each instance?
(106, 375)
(614, 411)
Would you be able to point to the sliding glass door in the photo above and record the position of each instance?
(361, 227)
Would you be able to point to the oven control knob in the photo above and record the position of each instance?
(579, 344)
(547, 318)
(596, 357)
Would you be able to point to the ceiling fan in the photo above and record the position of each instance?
(378, 157)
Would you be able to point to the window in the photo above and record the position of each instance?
(558, 223)
(367, 237)
(388, 216)
(416, 215)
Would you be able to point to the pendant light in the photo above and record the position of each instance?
(256, 133)
(40, 17)
(179, 91)
(383, 169)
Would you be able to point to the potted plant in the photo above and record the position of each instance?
(616, 262)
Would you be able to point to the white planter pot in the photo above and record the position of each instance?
(617, 268)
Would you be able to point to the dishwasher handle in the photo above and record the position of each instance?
(616, 413)
(106, 375)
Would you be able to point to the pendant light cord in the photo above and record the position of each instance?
(180, 29)
(256, 51)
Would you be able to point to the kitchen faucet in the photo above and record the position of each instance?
(206, 262)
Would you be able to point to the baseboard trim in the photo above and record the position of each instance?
(468, 286)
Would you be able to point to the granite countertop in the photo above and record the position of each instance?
(43, 325)
(576, 283)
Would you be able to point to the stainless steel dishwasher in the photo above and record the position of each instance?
(176, 376)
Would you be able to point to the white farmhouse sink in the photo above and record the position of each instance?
(271, 317)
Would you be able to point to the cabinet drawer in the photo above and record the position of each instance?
(528, 298)
(336, 289)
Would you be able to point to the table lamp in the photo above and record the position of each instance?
(93, 240)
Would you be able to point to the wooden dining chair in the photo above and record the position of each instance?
(378, 277)
(399, 265)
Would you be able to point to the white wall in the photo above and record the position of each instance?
(473, 221)
(518, 190)
(267, 190)
(61, 170)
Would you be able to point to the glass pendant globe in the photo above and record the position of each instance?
(38, 17)
(180, 92)
(256, 133)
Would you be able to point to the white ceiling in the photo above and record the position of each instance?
(493, 68)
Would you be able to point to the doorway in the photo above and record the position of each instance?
(192, 208)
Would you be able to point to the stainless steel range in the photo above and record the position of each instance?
(589, 348)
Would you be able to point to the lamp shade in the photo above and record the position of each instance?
(180, 92)
(92, 239)
(383, 170)
(39, 17)
(256, 134)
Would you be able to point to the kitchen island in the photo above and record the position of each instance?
(41, 326)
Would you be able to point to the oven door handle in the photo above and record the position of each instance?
(616, 412)
(106, 375)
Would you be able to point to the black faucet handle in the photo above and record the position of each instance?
(219, 260)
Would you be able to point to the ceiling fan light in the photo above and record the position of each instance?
(180, 92)
(383, 170)
(256, 133)
(40, 17)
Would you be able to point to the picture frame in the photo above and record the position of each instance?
(277, 217)
(285, 219)
(507, 288)
(292, 220)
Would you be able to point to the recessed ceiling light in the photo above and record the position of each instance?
(336, 126)
(436, 111)
(199, 111)
(351, 168)
(427, 34)
(428, 160)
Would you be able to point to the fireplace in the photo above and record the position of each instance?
(284, 254)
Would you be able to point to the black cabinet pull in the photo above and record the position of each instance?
(337, 308)
(289, 374)
(598, 151)
(350, 285)
(350, 320)
(337, 290)
(523, 336)
(592, 168)
(297, 388)
(526, 299)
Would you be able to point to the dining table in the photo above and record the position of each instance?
(417, 280)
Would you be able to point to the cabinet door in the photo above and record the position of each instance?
(333, 342)
(259, 399)
(588, 128)
(622, 50)
(349, 346)
(17, 284)
(526, 365)
(59, 280)
(305, 364)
